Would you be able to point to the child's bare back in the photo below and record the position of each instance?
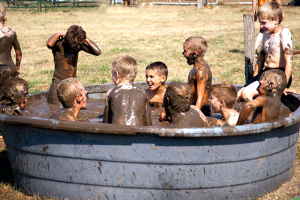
(127, 105)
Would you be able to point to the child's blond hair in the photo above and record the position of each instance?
(225, 92)
(126, 66)
(270, 10)
(2, 13)
(67, 91)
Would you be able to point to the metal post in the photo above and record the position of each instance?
(249, 35)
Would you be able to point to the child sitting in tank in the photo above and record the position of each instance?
(126, 103)
(73, 96)
(222, 98)
(267, 105)
(177, 101)
(156, 76)
(14, 96)
(65, 49)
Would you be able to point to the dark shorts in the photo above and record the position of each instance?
(257, 77)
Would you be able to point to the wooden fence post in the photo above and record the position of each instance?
(199, 4)
(249, 35)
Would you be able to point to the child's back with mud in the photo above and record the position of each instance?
(126, 103)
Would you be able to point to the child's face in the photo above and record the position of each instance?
(188, 54)
(214, 103)
(153, 79)
(83, 96)
(22, 100)
(267, 25)
(263, 88)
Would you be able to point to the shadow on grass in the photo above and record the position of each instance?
(236, 51)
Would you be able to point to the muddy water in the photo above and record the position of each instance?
(94, 111)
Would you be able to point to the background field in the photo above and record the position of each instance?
(149, 33)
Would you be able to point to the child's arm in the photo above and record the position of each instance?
(201, 80)
(287, 47)
(91, 47)
(147, 117)
(107, 112)
(18, 52)
(249, 107)
(53, 39)
(260, 63)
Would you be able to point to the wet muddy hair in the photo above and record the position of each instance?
(67, 91)
(198, 44)
(160, 67)
(14, 88)
(2, 13)
(75, 37)
(126, 66)
(225, 92)
(275, 77)
(270, 10)
(177, 98)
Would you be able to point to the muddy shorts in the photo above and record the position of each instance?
(257, 77)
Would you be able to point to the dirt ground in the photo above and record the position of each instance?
(8, 190)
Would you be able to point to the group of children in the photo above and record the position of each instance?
(184, 105)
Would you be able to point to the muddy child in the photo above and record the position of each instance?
(222, 98)
(8, 39)
(177, 101)
(200, 76)
(73, 96)
(276, 50)
(126, 103)
(65, 49)
(268, 104)
(156, 76)
(14, 96)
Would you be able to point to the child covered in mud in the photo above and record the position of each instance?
(156, 76)
(200, 76)
(267, 105)
(65, 49)
(73, 96)
(222, 98)
(126, 103)
(276, 50)
(8, 39)
(177, 105)
(14, 96)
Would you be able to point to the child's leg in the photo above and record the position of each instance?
(52, 94)
(249, 92)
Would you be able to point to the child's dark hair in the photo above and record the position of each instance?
(225, 92)
(275, 77)
(177, 98)
(160, 67)
(75, 37)
(14, 88)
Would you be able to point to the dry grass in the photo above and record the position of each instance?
(149, 34)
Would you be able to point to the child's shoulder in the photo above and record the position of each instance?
(6, 31)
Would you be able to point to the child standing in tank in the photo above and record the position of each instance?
(65, 49)
(8, 39)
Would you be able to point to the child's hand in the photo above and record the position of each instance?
(289, 91)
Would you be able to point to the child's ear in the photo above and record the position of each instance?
(272, 86)
(5, 18)
(276, 20)
(163, 79)
(223, 103)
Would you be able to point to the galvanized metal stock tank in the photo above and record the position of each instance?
(88, 160)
